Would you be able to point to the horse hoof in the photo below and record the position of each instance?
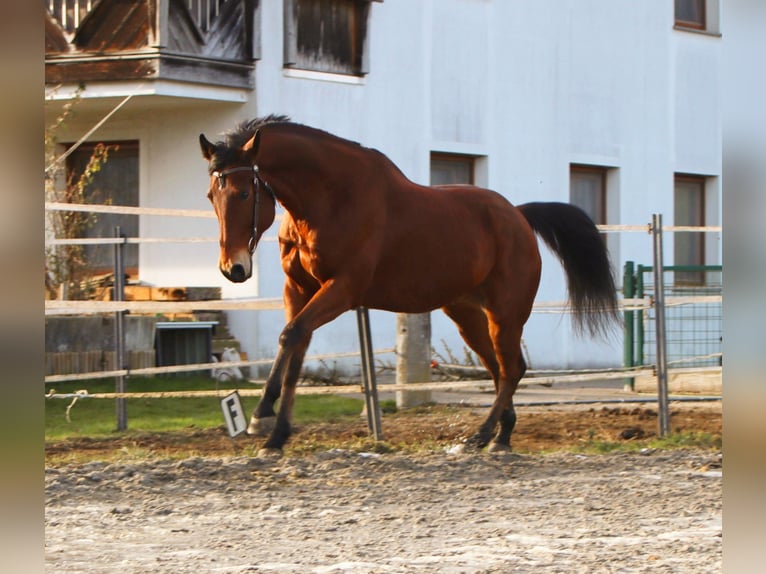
(269, 453)
(455, 449)
(471, 448)
(262, 426)
(497, 447)
(475, 443)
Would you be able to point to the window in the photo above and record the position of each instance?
(447, 168)
(115, 183)
(587, 190)
(690, 14)
(689, 209)
(327, 35)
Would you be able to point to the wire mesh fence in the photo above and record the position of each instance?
(693, 327)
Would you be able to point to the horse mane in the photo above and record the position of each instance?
(228, 150)
(234, 139)
(238, 137)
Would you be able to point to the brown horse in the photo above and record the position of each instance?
(357, 232)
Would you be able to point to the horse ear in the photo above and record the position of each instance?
(251, 146)
(208, 149)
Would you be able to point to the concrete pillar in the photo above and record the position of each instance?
(413, 357)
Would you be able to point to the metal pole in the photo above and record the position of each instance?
(659, 319)
(371, 404)
(119, 329)
(628, 291)
(639, 323)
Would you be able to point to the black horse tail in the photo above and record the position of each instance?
(576, 241)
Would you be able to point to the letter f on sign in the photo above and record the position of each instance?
(234, 414)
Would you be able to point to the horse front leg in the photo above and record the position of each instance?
(331, 300)
(282, 422)
(264, 417)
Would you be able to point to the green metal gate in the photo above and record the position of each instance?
(693, 329)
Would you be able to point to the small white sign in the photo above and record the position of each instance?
(231, 406)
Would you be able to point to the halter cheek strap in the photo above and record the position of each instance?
(221, 175)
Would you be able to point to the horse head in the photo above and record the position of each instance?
(243, 203)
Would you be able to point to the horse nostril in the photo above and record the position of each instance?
(237, 273)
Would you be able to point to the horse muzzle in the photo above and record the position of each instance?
(236, 271)
(236, 274)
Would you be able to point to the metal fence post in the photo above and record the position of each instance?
(371, 404)
(639, 322)
(628, 291)
(659, 317)
(119, 328)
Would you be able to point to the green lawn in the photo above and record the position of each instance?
(97, 417)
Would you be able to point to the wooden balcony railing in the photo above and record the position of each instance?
(69, 13)
(198, 41)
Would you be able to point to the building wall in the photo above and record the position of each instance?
(527, 87)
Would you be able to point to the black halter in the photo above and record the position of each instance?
(257, 181)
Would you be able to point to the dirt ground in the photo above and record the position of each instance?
(538, 429)
(337, 502)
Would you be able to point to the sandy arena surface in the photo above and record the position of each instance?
(435, 511)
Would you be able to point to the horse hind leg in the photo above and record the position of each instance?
(507, 344)
(473, 325)
(502, 440)
(508, 295)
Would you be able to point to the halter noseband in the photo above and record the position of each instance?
(221, 175)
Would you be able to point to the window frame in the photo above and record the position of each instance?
(86, 149)
(453, 158)
(690, 278)
(359, 39)
(602, 200)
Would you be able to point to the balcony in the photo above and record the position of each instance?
(195, 46)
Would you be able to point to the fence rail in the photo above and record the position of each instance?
(634, 302)
(209, 214)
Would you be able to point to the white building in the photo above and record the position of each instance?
(615, 101)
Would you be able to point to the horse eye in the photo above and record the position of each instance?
(244, 194)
